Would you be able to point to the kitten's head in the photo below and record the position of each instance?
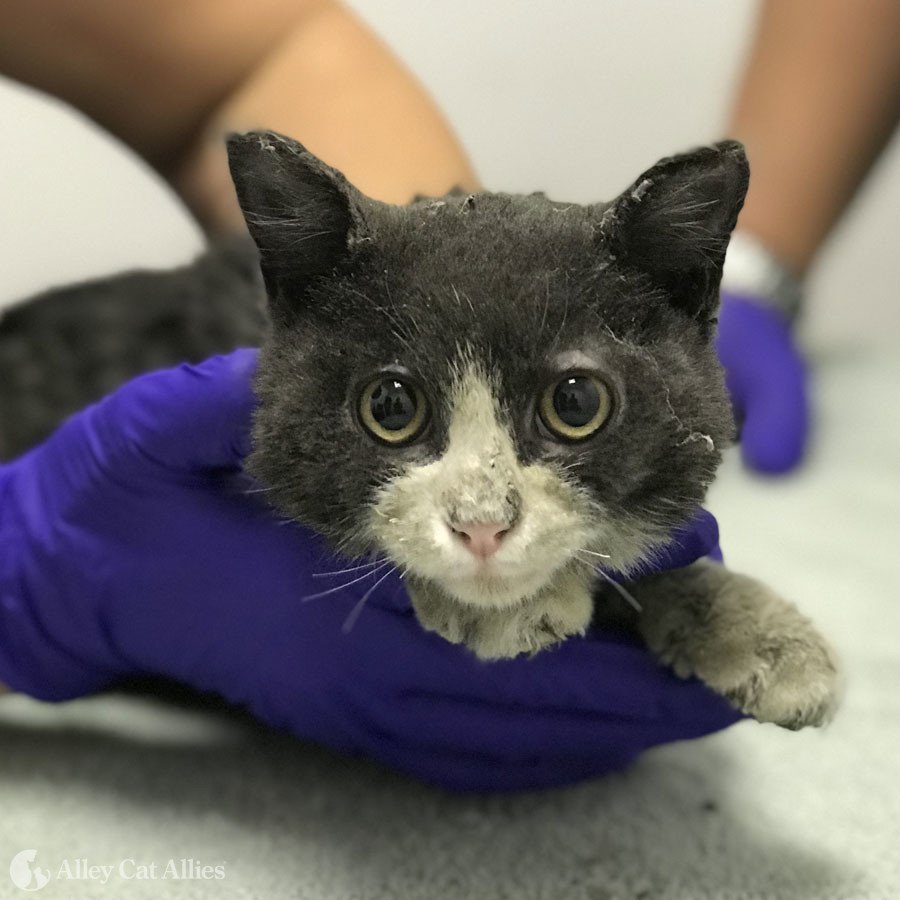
(489, 388)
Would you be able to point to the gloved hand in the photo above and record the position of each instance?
(129, 544)
(766, 376)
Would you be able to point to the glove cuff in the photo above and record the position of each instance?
(752, 270)
(34, 659)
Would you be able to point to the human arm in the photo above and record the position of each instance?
(819, 98)
(130, 542)
(171, 77)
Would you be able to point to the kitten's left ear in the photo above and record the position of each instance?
(675, 221)
(303, 215)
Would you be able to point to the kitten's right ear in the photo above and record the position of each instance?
(303, 215)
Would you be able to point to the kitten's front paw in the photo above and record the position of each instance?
(559, 611)
(793, 683)
(751, 647)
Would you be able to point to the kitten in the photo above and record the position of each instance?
(490, 390)
(496, 392)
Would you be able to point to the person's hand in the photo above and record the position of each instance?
(130, 543)
(767, 378)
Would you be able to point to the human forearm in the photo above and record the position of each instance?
(170, 77)
(820, 97)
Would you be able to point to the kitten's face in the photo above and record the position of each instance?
(487, 523)
(487, 390)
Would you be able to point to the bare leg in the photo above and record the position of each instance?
(820, 97)
(170, 77)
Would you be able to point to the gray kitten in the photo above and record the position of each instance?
(498, 392)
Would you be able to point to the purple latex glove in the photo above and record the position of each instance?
(766, 376)
(129, 544)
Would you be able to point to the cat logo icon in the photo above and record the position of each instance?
(23, 875)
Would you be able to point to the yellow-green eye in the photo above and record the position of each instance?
(574, 407)
(393, 410)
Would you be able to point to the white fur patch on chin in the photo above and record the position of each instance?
(494, 591)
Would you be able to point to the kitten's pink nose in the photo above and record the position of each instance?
(482, 538)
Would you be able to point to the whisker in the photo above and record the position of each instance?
(615, 584)
(625, 594)
(342, 587)
(265, 489)
(365, 565)
(594, 553)
(355, 613)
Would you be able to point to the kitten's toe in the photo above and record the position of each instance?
(503, 634)
(553, 616)
(549, 630)
(558, 612)
(794, 685)
(439, 613)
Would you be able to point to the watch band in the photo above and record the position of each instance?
(751, 269)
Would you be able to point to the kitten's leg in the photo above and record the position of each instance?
(561, 609)
(743, 640)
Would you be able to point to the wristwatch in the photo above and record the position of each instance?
(752, 270)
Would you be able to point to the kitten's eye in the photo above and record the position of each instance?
(394, 411)
(574, 407)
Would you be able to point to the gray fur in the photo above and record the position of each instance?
(482, 301)
(66, 348)
(743, 640)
